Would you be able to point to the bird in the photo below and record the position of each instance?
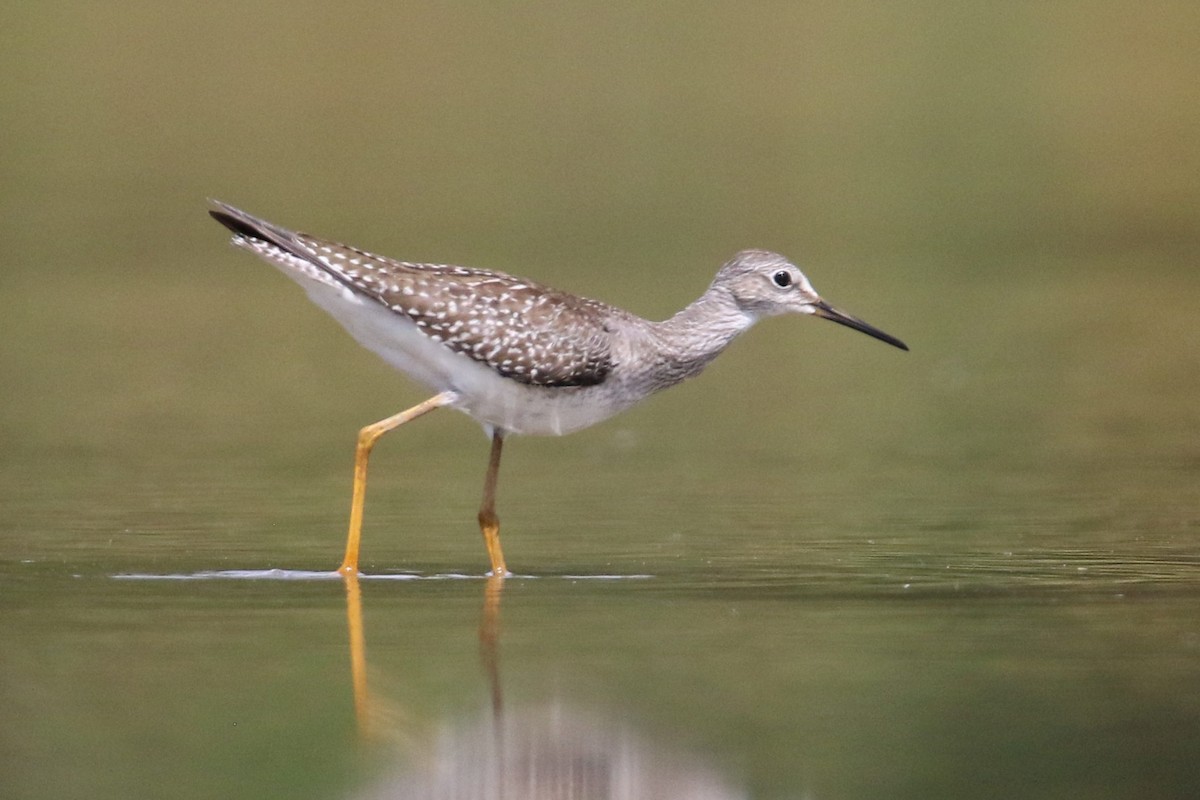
(515, 355)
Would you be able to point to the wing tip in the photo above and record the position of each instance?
(238, 221)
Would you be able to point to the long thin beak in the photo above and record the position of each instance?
(826, 311)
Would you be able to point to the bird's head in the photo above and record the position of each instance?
(765, 284)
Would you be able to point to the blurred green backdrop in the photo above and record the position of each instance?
(1010, 187)
(954, 172)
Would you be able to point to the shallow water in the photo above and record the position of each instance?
(824, 568)
(739, 615)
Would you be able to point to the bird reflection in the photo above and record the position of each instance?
(549, 752)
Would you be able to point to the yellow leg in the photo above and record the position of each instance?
(489, 523)
(366, 440)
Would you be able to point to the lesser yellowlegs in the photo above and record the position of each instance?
(517, 356)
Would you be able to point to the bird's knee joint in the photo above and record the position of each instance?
(367, 437)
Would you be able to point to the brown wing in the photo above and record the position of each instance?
(527, 332)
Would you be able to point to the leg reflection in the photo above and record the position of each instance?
(489, 651)
(489, 638)
(549, 750)
(358, 653)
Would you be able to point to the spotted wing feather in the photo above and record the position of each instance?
(527, 332)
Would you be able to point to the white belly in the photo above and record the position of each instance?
(484, 394)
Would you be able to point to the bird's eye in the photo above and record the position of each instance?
(782, 279)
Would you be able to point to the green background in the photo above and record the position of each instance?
(968, 570)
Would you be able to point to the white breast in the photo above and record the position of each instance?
(485, 395)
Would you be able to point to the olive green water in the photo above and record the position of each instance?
(824, 569)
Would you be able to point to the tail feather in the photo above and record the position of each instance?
(251, 227)
(281, 247)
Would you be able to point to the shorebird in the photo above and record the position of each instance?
(517, 356)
